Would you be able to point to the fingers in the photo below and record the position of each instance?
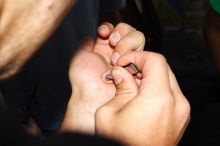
(128, 41)
(125, 38)
(126, 88)
(121, 30)
(133, 41)
(105, 30)
(153, 67)
(157, 78)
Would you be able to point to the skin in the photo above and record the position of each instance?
(212, 35)
(153, 112)
(98, 106)
(135, 100)
(90, 75)
(24, 26)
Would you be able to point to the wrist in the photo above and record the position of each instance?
(78, 117)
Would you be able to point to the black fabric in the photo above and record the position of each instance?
(79, 140)
(12, 134)
(42, 88)
(142, 15)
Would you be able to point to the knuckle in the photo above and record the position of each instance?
(125, 26)
(106, 23)
(184, 109)
(128, 90)
(159, 58)
(141, 39)
(121, 24)
(141, 35)
(130, 45)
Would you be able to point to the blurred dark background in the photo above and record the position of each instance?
(175, 29)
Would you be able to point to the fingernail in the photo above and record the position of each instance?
(114, 39)
(117, 76)
(115, 57)
(104, 28)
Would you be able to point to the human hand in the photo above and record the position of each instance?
(87, 74)
(24, 26)
(153, 112)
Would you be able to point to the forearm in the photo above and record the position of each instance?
(26, 24)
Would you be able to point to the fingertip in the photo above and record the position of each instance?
(114, 39)
(122, 76)
(114, 58)
(117, 76)
(105, 29)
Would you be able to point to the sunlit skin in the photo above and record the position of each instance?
(97, 106)
(24, 26)
(152, 113)
(87, 73)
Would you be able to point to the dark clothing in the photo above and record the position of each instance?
(12, 134)
(41, 90)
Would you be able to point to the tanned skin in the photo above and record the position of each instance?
(32, 20)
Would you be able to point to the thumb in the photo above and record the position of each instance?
(126, 88)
